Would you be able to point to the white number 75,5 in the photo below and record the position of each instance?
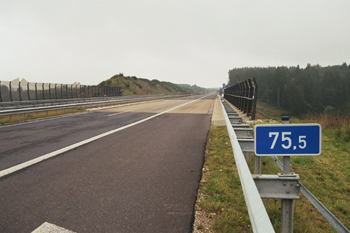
(286, 139)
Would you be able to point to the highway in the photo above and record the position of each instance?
(132, 168)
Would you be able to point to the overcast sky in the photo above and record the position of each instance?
(192, 42)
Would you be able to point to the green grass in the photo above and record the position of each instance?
(327, 176)
(31, 116)
(223, 193)
(267, 111)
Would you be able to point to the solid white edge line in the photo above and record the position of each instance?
(75, 145)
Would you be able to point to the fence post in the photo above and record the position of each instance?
(56, 90)
(10, 85)
(43, 88)
(36, 91)
(50, 90)
(240, 85)
(0, 93)
(255, 99)
(28, 90)
(247, 90)
(251, 94)
(61, 91)
(245, 95)
(19, 91)
(71, 91)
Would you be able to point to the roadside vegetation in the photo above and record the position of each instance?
(326, 176)
(220, 204)
(132, 85)
(32, 116)
(313, 89)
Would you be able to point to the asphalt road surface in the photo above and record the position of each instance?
(132, 168)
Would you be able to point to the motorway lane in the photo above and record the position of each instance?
(23, 142)
(141, 179)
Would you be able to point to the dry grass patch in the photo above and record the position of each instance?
(30, 116)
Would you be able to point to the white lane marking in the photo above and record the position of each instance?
(75, 145)
(49, 227)
(118, 113)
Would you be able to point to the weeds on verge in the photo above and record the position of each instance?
(223, 197)
(340, 125)
(31, 116)
(327, 176)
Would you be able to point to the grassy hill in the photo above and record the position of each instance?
(141, 86)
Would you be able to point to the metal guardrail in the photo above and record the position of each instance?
(246, 146)
(86, 103)
(244, 96)
(257, 213)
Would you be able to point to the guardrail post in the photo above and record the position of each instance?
(287, 209)
(257, 165)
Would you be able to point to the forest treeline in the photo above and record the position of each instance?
(313, 89)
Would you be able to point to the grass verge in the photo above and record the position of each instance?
(32, 116)
(221, 207)
(220, 204)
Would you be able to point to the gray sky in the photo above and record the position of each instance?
(192, 42)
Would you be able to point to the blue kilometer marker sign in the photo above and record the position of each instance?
(287, 140)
